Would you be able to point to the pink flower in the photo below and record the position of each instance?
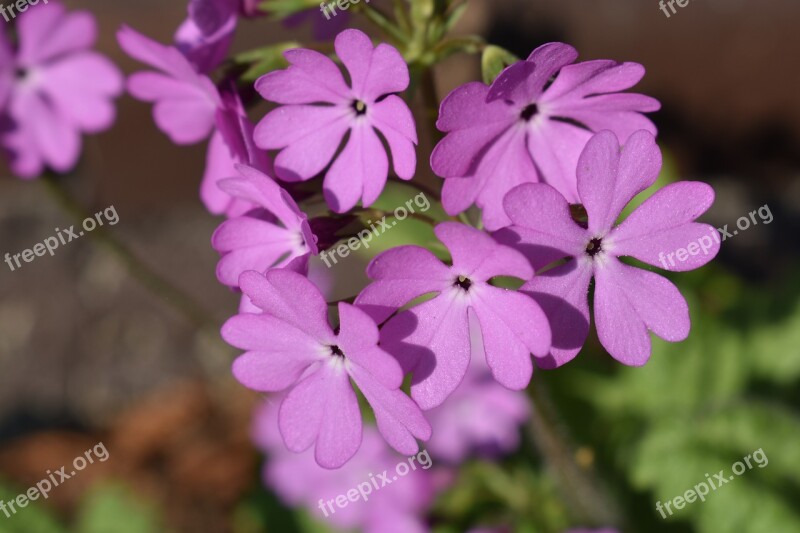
(272, 234)
(189, 109)
(206, 35)
(309, 135)
(628, 301)
(432, 340)
(54, 88)
(481, 417)
(524, 129)
(298, 480)
(292, 346)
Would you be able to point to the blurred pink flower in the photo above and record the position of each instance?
(54, 88)
(189, 108)
(299, 481)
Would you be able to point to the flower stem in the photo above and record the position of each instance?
(158, 285)
(581, 489)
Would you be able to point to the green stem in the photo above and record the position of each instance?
(162, 288)
(589, 504)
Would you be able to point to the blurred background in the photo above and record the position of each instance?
(88, 354)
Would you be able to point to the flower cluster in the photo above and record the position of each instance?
(439, 344)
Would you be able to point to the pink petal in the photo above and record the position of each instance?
(432, 341)
(458, 194)
(471, 124)
(361, 169)
(324, 409)
(619, 112)
(663, 225)
(311, 77)
(309, 136)
(555, 147)
(543, 228)
(358, 339)
(81, 86)
(523, 82)
(399, 419)
(562, 293)
(256, 187)
(47, 32)
(610, 176)
(628, 301)
(477, 256)
(291, 297)
(506, 164)
(394, 120)
(219, 165)
(600, 76)
(512, 327)
(165, 58)
(401, 274)
(374, 72)
(53, 136)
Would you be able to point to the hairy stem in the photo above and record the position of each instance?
(157, 284)
(580, 488)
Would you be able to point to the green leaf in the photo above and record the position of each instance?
(33, 518)
(266, 59)
(113, 508)
(495, 59)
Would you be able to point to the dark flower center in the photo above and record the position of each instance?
(463, 282)
(335, 350)
(20, 73)
(529, 112)
(359, 107)
(594, 247)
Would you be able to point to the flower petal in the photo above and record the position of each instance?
(399, 419)
(432, 341)
(609, 176)
(358, 339)
(542, 228)
(360, 170)
(401, 274)
(374, 72)
(394, 120)
(512, 327)
(312, 77)
(663, 227)
(556, 147)
(291, 297)
(48, 32)
(478, 256)
(628, 301)
(562, 293)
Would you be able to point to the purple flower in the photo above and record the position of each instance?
(432, 340)
(206, 35)
(300, 481)
(231, 145)
(189, 108)
(271, 234)
(292, 346)
(54, 88)
(309, 136)
(522, 130)
(628, 301)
